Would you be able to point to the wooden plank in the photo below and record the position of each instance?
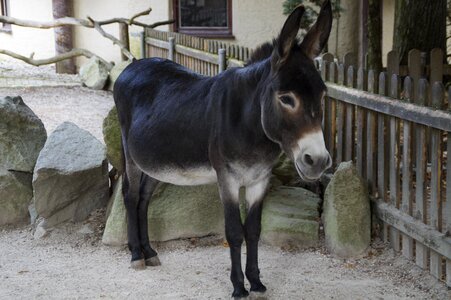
(349, 59)
(222, 60)
(430, 117)
(436, 65)
(394, 162)
(186, 51)
(392, 63)
(425, 234)
(447, 210)
(360, 126)
(331, 114)
(340, 118)
(349, 131)
(435, 213)
(171, 48)
(421, 256)
(415, 68)
(407, 186)
(157, 43)
(371, 138)
(381, 169)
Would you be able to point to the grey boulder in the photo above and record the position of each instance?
(175, 212)
(22, 136)
(115, 72)
(94, 74)
(347, 216)
(290, 218)
(71, 176)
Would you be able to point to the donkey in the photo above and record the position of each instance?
(186, 129)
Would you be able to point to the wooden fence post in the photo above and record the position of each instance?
(123, 37)
(222, 60)
(171, 54)
(143, 44)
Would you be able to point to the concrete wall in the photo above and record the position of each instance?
(24, 40)
(388, 22)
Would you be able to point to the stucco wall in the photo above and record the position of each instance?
(24, 40)
(101, 10)
(388, 22)
(256, 21)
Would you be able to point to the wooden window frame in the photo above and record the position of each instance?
(5, 12)
(210, 32)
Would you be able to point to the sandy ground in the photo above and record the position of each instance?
(71, 262)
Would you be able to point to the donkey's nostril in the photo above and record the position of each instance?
(308, 160)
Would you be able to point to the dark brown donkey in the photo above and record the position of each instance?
(187, 129)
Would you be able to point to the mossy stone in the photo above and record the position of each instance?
(112, 138)
(347, 216)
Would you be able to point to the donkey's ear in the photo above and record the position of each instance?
(316, 38)
(287, 36)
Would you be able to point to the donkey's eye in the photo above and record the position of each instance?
(287, 100)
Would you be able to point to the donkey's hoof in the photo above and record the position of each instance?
(254, 295)
(240, 293)
(153, 261)
(139, 264)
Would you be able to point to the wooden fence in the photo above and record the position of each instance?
(394, 127)
(204, 56)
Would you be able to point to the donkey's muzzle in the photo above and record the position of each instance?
(311, 157)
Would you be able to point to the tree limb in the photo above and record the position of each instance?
(39, 62)
(112, 38)
(143, 13)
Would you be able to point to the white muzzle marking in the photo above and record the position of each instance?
(311, 157)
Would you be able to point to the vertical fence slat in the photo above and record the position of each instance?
(349, 131)
(222, 60)
(421, 252)
(406, 198)
(447, 210)
(393, 162)
(436, 65)
(381, 140)
(436, 161)
(371, 138)
(332, 114)
(360, 125)
(340, 117)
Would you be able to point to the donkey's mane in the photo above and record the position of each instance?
(262, 52)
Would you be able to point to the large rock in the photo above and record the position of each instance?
(115, 72)
(290, 218)
(112, 138)
(174, 212)
(15, 196)
(71, 176)
(94, 74)
(115, 233)
(347, 217)
(22, 135)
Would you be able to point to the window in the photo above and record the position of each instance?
(209, 18)
(4, 11)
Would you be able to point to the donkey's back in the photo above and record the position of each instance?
(163, 112)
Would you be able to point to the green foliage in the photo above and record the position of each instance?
(311, 10)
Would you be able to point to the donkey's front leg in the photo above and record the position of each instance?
(229, 192)
(252, 227)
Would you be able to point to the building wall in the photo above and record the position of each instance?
(24, 40)
(388, 22)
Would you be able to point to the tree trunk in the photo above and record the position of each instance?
(63, 36)
(374, 27)
(419, 24)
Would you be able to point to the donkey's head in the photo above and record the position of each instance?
(291, 110)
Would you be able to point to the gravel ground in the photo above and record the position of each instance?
(71, 262)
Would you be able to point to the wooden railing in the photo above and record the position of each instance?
(204, 56)
(396, 128)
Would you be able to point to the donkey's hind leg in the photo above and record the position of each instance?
(131, 189)
(147, 187)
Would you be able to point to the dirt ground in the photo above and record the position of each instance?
(72, 263)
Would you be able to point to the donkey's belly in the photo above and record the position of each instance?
(181, 176)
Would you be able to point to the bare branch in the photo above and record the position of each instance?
(45, 25)
(112, 38)
(156, 24)
(143, 13)
(39, 62)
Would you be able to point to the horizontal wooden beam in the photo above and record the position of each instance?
(157, 43)
(201, 55)
(425, 234)
(439, 119)
(231, 62)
